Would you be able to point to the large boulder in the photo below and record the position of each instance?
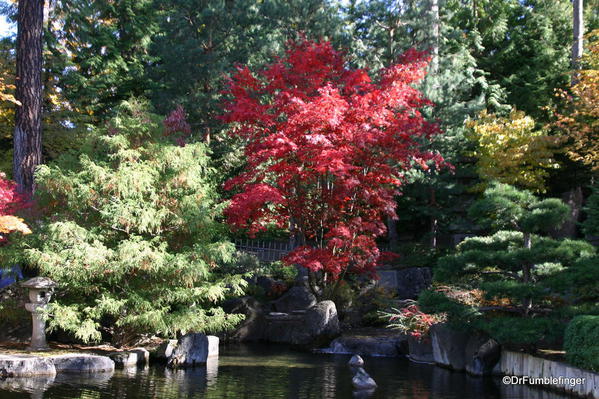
(252, 327)
(420, 350)
(320, 325)
(449, 346)
(314, 327)
(412, 281)
(482, 354)
(296, 298)
(194, 349)
(474, 352)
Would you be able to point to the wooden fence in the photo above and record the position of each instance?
(266, 251)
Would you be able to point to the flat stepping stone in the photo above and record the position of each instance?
(30, 365)
(75, 363)
(25, 366)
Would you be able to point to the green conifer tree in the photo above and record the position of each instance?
(517, 267)
(129, 232)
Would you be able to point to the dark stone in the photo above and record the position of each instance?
(193, 349)
(78, 363)
(266, 283)
(252, 327)
(420, 350)
(362, 381)
(315, 328)
(130, 358)
(449, 346)
(297, 298)
(482, 354)
(385, 345)
(474, 352)
(356, 361)
(165, 350)
(412, 281)
(320, 325)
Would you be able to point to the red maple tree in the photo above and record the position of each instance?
(11, 202)
(327, 149)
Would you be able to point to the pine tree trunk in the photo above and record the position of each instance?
(27, 139)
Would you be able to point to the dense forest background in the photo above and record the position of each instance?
(510, 59)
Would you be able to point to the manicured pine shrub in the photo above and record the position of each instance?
(581, 342)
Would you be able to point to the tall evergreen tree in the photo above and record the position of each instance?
(202, 40)
(522, 45)
(455, 85)
(104, 49)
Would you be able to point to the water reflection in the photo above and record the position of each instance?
(264, 372)
(36, 386)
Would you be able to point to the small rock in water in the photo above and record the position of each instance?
(356, 361)
(362, 381)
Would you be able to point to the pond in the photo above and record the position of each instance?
(269, 371)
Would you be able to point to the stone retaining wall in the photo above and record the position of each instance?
(522, 364)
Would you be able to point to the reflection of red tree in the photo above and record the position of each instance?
(326, 151)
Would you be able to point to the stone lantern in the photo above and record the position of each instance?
(40, 291)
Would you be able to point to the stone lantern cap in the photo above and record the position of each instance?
(39, 283)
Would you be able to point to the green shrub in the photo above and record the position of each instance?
(521, 331)
(342, 294)
(244, 263)
(278, 270)
(581, 342)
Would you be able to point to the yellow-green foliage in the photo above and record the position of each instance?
(512, 151)
(130, 234)
(581, 121)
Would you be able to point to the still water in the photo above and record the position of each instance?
(263, 372)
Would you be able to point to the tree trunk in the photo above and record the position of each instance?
(577, 43)
(574, 199)
(27, 139)
(435, 36)
(527, 273)
(392, 233)
(434, 221)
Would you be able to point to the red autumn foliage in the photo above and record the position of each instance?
(326, 151)
(10, 200)
(175, 124)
